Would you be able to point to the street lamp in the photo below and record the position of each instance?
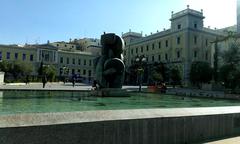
(140, 60)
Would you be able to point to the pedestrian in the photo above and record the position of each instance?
(27, 79)
(44, 80)
(73, 80)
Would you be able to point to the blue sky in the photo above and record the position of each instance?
(34, 21)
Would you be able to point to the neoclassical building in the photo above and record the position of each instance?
(64, 56)
(186, 41)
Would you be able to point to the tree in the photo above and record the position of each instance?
(200, 72)
(230, 76)
(230, 70)
(50, 71)
(232, 56)
(4, 66)
(16, 69)
(175, 76)
(157, 76)
(158, 72)
(40, 70)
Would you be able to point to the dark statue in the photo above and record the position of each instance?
(109, 67)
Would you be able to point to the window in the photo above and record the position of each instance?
(79, 61)
(159, 45)
(61, 59)
(206, 56)
(147, 47)
(178, 40)
(166, 56)
(73, 71)
(16, 56)
(159, 57)
(84, 62)
(65, 45)
(89, 73)
(206, 43)
(31, 57)
(24, 57)
(152, 58)
(131, 51)
(136, 50)
(166, 43)
(90, 62)
(8, 55)
(195, 54)
(73, 61)
(146, 58)
(84, 72)
(153, 46)
(0, 55)
(178, 54)
(195, 39)
(141, 49)
(179, 26)
(61, 71)
(195, 25)
(79, 71)
(67, 60)
(57, 45)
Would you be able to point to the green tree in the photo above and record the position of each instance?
(230, 71)
(156, 76)
(21, 69)
(200, 72)
(50, 71)
(157, 73)
(4, 66)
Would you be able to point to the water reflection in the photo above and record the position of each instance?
(12, 102)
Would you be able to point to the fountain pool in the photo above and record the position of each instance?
(17, 102)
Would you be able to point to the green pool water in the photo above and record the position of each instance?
(12, 102)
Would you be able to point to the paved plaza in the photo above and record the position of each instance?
(234, 140)
(54, 86)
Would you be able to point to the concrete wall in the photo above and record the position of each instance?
(169, 129)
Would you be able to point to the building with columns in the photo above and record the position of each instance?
(186, 41)
(62, 57)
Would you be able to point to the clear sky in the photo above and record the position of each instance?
(34, 21)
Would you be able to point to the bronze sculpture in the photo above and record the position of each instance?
(109, 67)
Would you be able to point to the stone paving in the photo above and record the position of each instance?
(54, 86)
(235, 140)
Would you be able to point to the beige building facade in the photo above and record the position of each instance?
(70, 60)
(186, 41)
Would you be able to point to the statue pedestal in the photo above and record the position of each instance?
(110, 92)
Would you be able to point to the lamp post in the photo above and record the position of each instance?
(140, 60)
